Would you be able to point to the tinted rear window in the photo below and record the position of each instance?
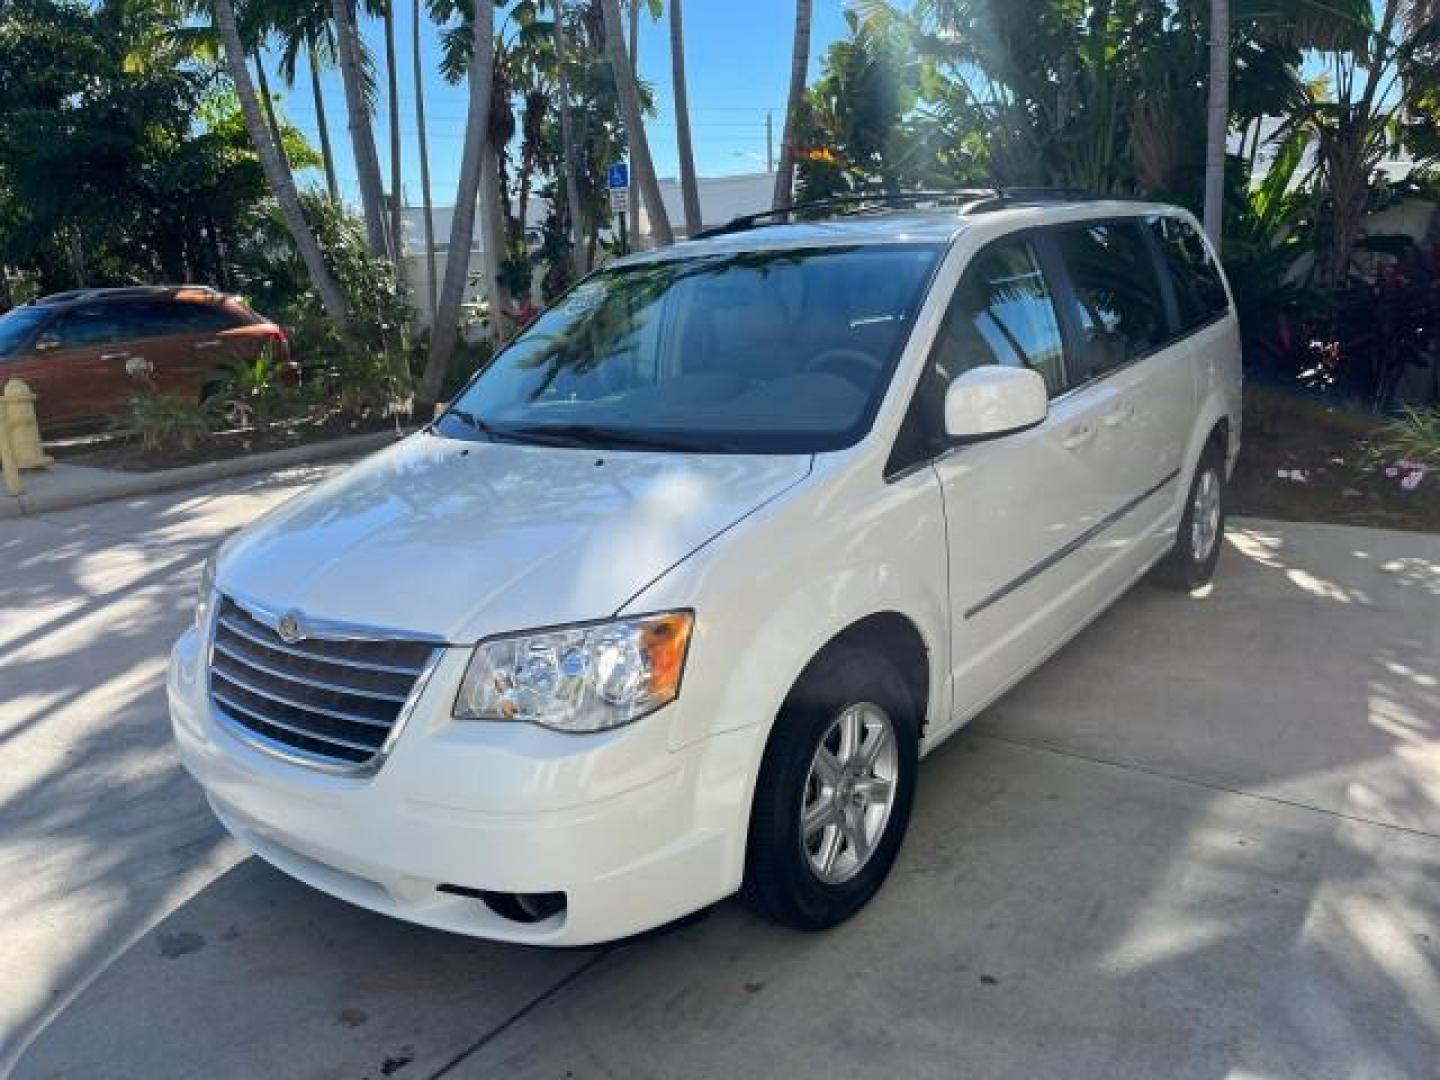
(1199, 291)
(1117, 300)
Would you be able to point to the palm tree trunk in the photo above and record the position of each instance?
(327, 153)
(362, 136)
(462, 224)
(643, 166)
(689, 188)
(268, 101)
(424, 143)
(282, 185)
(392, 75)
(492, 224)
(799, 64)
(633, 205)
(1217, 120)
(567, 143)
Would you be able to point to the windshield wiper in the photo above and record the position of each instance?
(597, 435)
(467, 417)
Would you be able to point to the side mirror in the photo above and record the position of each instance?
(47, 341)
(989, 401)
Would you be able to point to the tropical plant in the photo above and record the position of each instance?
(422, 139)
(277, 172)
(1413, 439)
(250, 392)
(462, 224)
(164, 423)
(689, 188)
(355, 78)
(570, 164)
(1383, 93)
(641, 163)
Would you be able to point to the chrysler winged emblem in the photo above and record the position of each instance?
(289, 628)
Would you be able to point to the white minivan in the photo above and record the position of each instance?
(671, 600)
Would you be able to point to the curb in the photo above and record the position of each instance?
(127, 485)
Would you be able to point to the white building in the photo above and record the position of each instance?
(721, 199)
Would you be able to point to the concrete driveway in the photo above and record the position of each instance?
(1204, 841)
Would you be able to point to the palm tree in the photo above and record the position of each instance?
(362, 136)
(632, 14)
(277, 174)
(625, 85)
(1217, 120)
(567, 143)
(462, 224)
(689, 189)
(327, 153)
(392, 76)
(267, 100)
(424, 145)
(799, 62)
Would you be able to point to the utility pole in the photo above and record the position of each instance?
(769, 142)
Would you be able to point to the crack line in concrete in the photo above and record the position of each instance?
(519, 1014)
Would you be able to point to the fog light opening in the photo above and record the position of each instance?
(517, 907)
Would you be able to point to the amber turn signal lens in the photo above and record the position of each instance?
(665, 640)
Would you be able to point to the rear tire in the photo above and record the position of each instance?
(1191, 562)
(833, 799)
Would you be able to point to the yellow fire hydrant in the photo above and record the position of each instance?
(19, 434)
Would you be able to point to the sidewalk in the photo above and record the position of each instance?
(61, 486)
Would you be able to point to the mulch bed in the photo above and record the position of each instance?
(1305, 461)
(124, 453)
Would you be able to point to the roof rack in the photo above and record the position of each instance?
(119, 291)
(967, 200)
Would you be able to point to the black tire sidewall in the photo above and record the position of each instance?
(779, 879)
(1193, 571)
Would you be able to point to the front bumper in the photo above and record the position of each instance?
(634, 834)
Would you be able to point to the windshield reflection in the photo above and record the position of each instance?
(762, 351)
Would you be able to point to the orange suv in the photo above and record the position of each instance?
(85, 352)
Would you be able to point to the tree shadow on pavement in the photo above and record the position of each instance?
(1200, 842)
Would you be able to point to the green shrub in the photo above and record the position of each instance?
(165, 423)
(250, 392)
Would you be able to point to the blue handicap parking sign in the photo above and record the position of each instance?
(618, 175)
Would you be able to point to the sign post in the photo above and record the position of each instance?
(617, 179)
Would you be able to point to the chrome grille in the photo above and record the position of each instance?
(331, 700)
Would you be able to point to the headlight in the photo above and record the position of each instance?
(205, 603)
(578, 678)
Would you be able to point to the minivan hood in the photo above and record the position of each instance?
(460, 540)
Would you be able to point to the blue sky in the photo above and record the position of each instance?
(737, 55)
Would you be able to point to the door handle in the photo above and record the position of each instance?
(207, 344)
(1120, 416)
(1078, 437)
(111, 356)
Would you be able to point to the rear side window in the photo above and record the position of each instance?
(164, 317)
(97, 324)
(1118, 307)
(1199, 291)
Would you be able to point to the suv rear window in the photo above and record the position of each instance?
(1199, 291)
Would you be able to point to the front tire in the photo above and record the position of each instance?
(1191, 563)
(835, 790)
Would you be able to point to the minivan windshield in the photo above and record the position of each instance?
(16, 325)
(781, 351)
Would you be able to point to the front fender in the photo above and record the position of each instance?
(773, 591)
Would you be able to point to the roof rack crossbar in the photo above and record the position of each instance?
(970, 200)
